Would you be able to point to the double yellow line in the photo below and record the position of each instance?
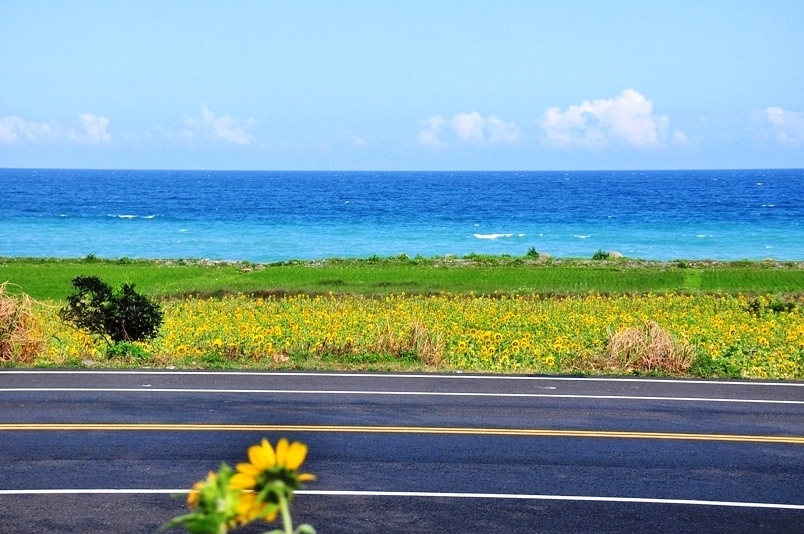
(534, 432)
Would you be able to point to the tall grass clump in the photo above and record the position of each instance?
(415, 340)
(20, 339)
(648, 349)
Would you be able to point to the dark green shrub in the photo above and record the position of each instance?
(532, 253)
(757, 307)
(122, 315)
(600, 255)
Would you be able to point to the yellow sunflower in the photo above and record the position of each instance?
(269, 476)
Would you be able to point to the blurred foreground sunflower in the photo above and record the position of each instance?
(260, 489)
(269, 479)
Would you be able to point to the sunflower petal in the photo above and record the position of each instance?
(295, 455)
(306, 477)
(281, 452)
(262, 456)
(193, 496)
(242, 481)
(245, 502)
(248, 469)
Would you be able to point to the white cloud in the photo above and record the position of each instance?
(92, 129)
(13, 129)
(223, 128)
(88, 129)
(428, 135)
(502, 132)
(787, 127)
(626, 119)
(467, 128)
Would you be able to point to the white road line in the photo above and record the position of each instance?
(427, 494)
(391, 393)
(95, 491)
(454, 376)
(550, 498)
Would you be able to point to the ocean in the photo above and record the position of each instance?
(277, 216)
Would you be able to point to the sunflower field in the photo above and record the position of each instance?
(724, 335)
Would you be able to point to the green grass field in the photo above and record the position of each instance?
(50, 279)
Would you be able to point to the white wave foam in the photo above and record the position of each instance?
(581, 236)
(492, 236)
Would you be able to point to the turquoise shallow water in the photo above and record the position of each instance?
(269, 216)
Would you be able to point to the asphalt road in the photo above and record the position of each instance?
(103, 451)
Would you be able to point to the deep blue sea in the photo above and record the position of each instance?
(272, 216)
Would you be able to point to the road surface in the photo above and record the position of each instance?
(102, 451)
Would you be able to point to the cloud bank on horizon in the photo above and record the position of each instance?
(626, 121)
(469, 128)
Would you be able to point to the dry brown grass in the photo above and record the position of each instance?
(20, 338)
(429, 347)
(648, 349)
(417, 340)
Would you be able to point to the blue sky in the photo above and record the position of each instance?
(374, 85)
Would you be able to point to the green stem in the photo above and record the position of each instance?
(286, 519)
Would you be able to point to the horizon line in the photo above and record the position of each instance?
(134, 169)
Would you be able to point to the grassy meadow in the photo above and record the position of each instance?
(482, 275)
(479, 314)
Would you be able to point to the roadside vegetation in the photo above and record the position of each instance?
(473, 314)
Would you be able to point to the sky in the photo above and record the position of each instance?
(402, 85)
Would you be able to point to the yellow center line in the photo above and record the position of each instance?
(537, 432)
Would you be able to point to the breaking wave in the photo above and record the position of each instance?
(492, 236)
